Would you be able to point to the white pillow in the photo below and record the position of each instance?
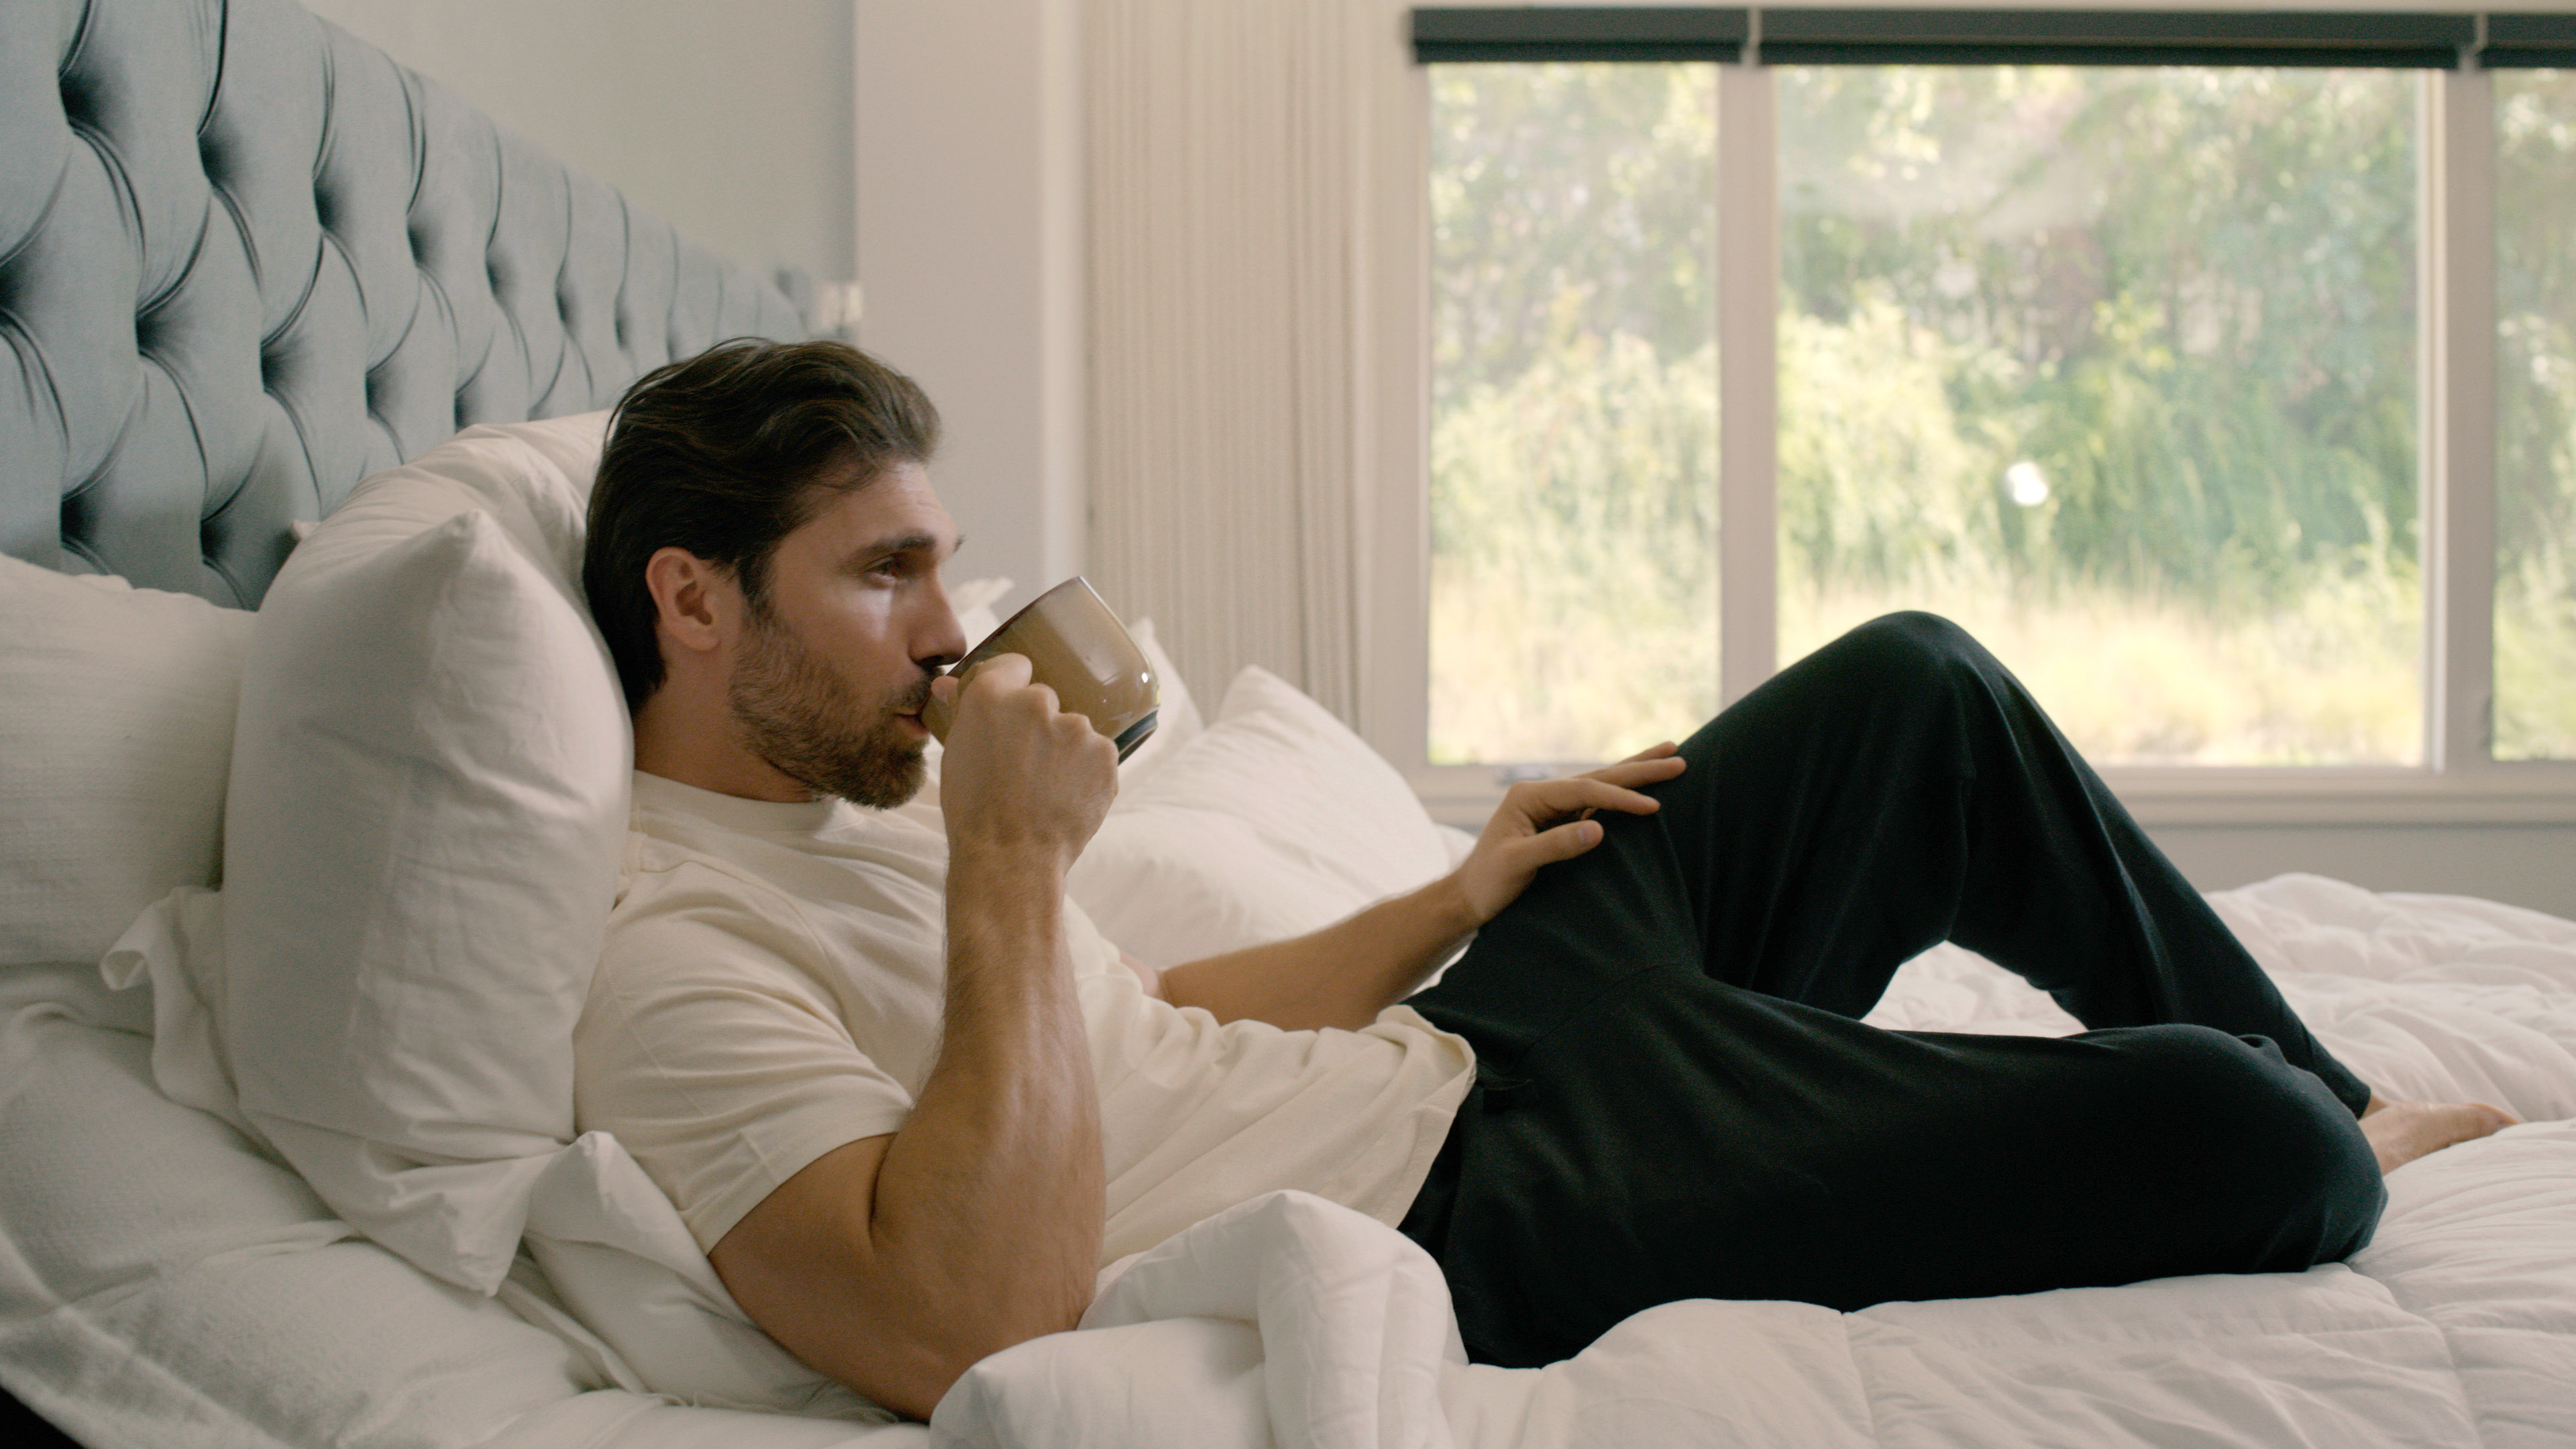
(973, 600)
(428, 807)
(116, 719)
(1274, 821)
(1176, 716)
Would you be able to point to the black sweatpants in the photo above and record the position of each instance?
(1675, 1098)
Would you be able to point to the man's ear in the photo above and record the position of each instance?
(693, 600)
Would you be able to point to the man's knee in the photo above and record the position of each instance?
(2275, 1145)
(1915, 646)
(1900, 682)
(1917, 635)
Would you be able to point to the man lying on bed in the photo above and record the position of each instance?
(910, 1101)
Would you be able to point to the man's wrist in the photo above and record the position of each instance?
(1452, 909)
(1006, 862)
(1005, 901)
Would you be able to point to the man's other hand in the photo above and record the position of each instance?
(1541, 822)
(1021, 772)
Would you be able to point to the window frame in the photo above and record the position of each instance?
(2458, 783)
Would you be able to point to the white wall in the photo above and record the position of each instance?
(928, 148)
(969, 245)
(2523, 865)
(731, 120)
(955, 197)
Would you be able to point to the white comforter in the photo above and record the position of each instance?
(160, 1283)
(1292, 1322)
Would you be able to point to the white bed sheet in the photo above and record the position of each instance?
(160, 1282)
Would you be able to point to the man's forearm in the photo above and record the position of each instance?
(1342, 975)
(1345, 974)
(992, 1193)
(895, 1263)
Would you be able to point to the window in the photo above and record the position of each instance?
(2535, 603)
(1573, 573)
(2116, 367)
(2163, 377)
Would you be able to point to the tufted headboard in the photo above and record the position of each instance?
(246, 260)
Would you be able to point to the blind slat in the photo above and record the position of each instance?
(2423, 40)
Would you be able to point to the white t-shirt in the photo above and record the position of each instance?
(772, 988)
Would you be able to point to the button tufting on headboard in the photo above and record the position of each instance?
(245, 259)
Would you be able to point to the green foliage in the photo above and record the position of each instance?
(2536, 414)
(2535, 643)
(2186, 295)
(1574, 442)
(1878, 479)
(1568, 199)
(1574, 558)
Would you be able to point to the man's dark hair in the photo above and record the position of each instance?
(724, 455)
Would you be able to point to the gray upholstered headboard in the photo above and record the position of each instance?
(246, 259)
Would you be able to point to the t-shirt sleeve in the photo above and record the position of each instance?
(708, 1048)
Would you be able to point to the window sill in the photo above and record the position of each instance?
(2537, 793)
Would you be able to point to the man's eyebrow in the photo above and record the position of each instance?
(917, 541)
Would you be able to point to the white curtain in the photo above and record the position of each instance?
(1226, 164)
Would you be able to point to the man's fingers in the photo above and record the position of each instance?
(1005, 671)
(1564, 842)
(1639, 771)
(1554, 799)
(1004, 682)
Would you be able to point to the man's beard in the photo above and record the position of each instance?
(809, 725)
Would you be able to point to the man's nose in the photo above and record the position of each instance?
(944, 642)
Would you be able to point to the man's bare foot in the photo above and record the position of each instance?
(2400, 1132)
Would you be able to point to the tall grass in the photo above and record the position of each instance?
(1574, 578)
(1574, 556)
(2134, 679)
(2535, 657)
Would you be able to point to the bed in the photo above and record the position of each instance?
(247, 262)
